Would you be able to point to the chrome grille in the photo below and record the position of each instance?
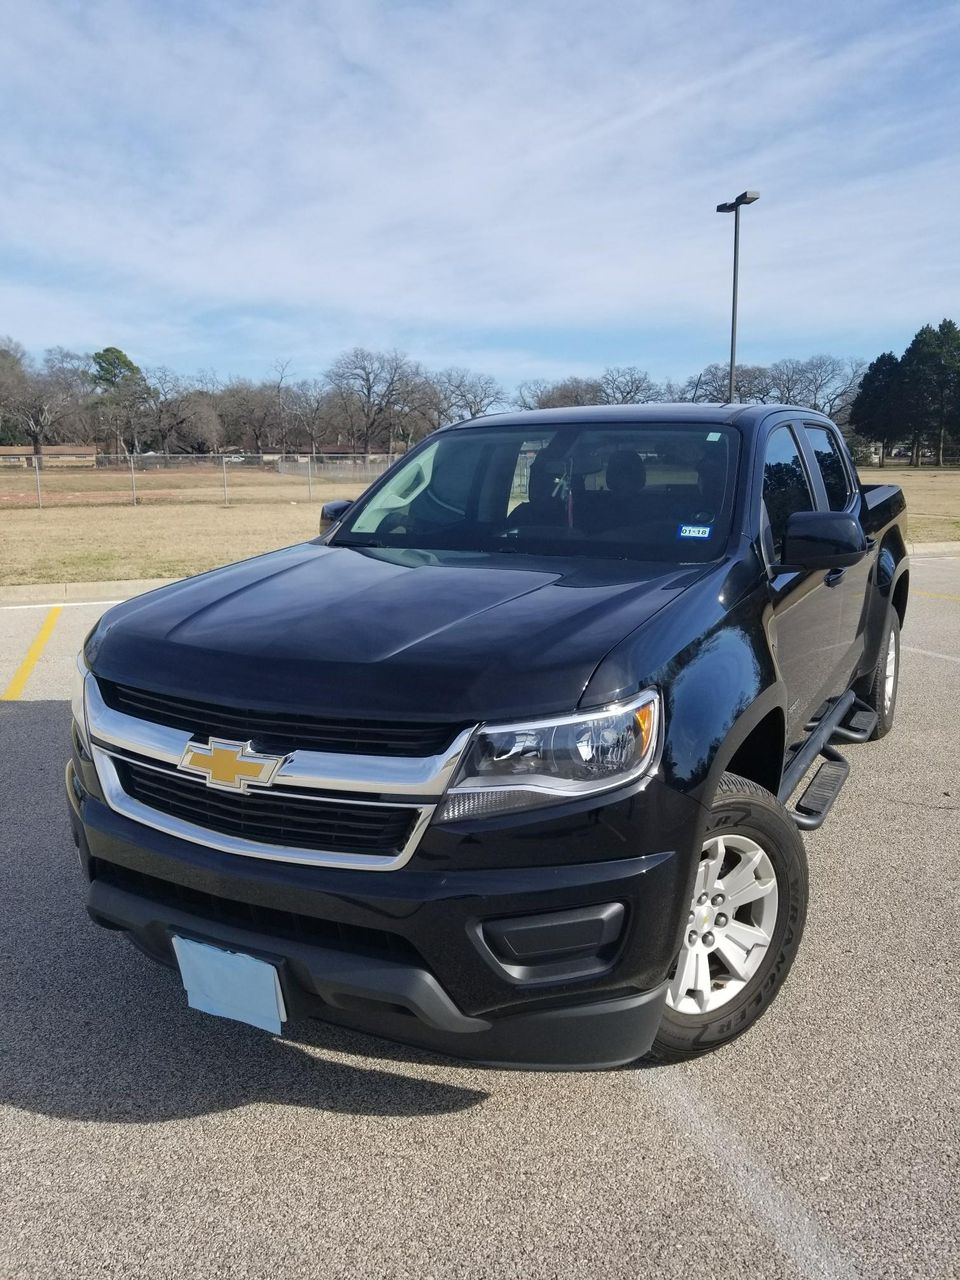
(353, 810)
(273, 817)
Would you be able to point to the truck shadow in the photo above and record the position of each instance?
(91, 1030)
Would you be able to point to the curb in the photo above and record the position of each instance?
(92, 592)
(934, 548)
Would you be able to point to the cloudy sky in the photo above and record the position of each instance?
(527, 188)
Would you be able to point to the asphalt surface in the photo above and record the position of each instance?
(138, 1137)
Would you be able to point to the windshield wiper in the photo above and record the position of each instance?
(357, 542)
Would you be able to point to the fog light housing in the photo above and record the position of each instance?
(552, 946)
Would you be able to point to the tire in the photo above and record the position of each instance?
(873, 689)
(707, 1009)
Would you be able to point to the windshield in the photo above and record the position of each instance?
(651, 492)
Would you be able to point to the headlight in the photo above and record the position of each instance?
(520, 766)
(77, 706)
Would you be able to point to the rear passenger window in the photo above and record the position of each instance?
(785, 486)
(829, 460)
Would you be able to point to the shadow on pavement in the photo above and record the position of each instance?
(92, 1030)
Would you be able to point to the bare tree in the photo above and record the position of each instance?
(314, 407)
(286, 420)
(568, 392)
(246, 412)
(832, 384)
(368, 386)
(470, 395)
(530, 395)
(752, 383)
(167, 400)
(628, 385)
(789, 381)
(712, 385)
(41, 401)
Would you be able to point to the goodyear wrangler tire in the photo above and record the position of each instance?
(745, 922)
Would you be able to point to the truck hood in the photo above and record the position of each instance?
(372, 633)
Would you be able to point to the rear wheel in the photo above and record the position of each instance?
(744, 924)
(879, 689)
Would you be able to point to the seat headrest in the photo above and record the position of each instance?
(626, 473)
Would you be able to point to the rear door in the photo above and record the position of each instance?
(805, 627)
(840, 491)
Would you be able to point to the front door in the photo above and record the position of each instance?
(806, 609)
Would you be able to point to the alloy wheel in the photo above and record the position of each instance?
(730, 926)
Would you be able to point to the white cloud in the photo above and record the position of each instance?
(217, 181)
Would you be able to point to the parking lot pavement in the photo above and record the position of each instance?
(138, 1137)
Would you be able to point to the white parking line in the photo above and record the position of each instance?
(816, 1253)
(931, 653)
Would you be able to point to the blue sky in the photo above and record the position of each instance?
(527, 189)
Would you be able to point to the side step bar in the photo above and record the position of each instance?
(848, 720)
(817, 801)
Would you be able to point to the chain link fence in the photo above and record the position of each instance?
(150, 479)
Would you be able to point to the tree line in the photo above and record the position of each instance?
(382, 401)
(913, 398)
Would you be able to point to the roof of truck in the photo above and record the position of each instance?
(742, 414)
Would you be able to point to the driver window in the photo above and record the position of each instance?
(785, 485)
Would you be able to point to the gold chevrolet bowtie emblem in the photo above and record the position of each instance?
(229, 766)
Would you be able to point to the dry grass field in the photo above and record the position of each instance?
(933, 499)
(171, 540)
(90, 531)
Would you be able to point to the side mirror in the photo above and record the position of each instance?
(822, 540)
(330, 512)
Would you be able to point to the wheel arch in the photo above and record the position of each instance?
(901, 591)
(755, 747)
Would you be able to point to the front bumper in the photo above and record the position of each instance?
(406, 954)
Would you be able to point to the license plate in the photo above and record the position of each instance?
(230, 984)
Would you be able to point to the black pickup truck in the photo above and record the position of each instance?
(505, 763)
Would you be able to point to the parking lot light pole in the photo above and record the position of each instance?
(745, 197)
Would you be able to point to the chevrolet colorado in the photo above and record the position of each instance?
(504, 763)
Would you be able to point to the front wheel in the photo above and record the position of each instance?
(744, 924)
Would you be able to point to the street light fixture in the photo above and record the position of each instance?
(745, 197)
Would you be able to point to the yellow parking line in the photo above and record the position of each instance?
(936, 595)
(22, 675)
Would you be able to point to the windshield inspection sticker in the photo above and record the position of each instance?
(694, 531)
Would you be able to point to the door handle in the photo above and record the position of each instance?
(834, 577)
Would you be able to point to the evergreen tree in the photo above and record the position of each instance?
(877, 409)
(123, 397)
(111, 366)
(930, 374)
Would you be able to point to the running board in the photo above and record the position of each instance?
(825, 785)
(858, 726)
(817, 800)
